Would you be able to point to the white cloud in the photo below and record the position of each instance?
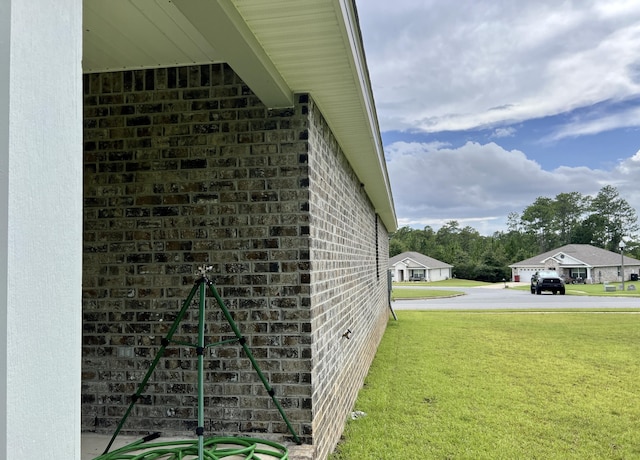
(504, 132)
(438, 66)
(480, 184)
(629, 118)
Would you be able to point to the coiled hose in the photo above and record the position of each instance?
(215, 448)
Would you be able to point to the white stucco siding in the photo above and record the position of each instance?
(40, 227)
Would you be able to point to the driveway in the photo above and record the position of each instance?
(498, 297)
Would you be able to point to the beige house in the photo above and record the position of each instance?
(578, 262)
(413, 266)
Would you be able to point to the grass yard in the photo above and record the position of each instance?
(501, 385)
(595, 289)
(456, 282)
(407, 290)
(408, 293)
(598, 289)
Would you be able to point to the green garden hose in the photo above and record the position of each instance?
(187, 449)
(215, 448)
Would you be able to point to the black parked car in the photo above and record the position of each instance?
(547, 281)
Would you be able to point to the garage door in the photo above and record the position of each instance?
(526, 274)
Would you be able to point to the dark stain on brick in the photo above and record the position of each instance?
(138, 121)
(139, 258)
(137, 212)
(196, 94)
(193, 163)
(149, 80)
(206, 128)
(127, 81)
(264, 196)
(166, 211)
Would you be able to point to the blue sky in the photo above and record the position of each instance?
(485, 105)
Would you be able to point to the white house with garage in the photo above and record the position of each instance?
(579, 263)
(413, 266)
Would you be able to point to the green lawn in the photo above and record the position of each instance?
(408, 293)
(596, 289)
(407, 290)
(456, 282)
(501, 385)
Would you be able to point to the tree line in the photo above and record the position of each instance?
(602, 220)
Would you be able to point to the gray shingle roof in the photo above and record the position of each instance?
(590, 255)
(428, 262)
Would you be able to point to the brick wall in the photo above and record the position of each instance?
(185, 167)
(349, 256)
(612, 274)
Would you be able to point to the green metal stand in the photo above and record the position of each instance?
(200, 287)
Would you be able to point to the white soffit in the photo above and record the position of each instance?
(138, 34)
(278, 47)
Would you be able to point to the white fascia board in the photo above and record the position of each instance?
(415, 262)
(358, 62)
(567, 259)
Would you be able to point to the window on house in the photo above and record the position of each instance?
(576, 273)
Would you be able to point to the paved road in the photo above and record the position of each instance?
(478, 298)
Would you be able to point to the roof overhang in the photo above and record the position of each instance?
(278, 48)
(412, 263)
(567, 260)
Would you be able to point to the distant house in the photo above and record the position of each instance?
(578, 261)
(413, 266)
